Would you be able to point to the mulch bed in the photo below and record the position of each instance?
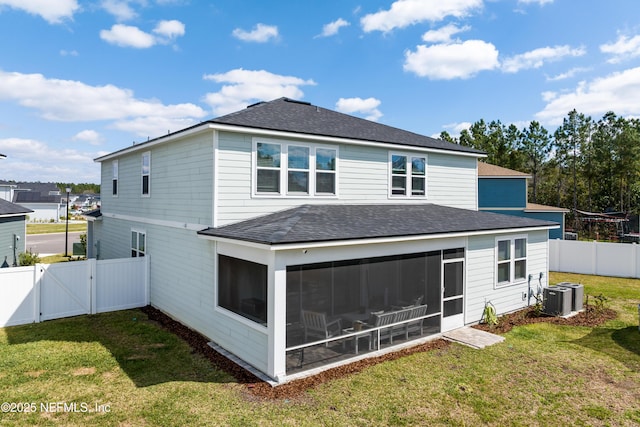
(257, 389)
(590, 317)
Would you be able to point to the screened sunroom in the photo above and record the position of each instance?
(341, 309)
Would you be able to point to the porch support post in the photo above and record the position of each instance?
(277, 316)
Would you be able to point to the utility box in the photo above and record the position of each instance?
(557, 301)
(577, 294)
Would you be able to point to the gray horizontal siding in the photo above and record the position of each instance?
(481, 276)
(181, 183)
(182, 284)
(362, 178)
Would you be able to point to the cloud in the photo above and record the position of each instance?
(24, 156)
(567, 74)
(243, 87)
(452, 61)
(616, 92)
(120, 9)
(454, 129)
(129, 36)
(54, 12)
(410, 12)
(368, 107)
(64, 52)
(443, 34)
(622, 49)
(261, 33)
(169, 29)
(90, 136)
(332, 28)
(537, 57)
(73, 101)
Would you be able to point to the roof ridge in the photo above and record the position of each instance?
(288, 224)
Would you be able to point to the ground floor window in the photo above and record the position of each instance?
(511, 260)
(138, 243)
(242, 288)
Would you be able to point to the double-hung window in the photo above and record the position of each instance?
(511, 260)
(114, 181)
(146, 173)
(408, 175)
(298, 169)
(294, 170)
(138, 243)
(326, 171)
(268, 168)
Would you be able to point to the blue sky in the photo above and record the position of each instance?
(79, 79)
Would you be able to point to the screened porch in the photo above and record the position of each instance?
(344, 309)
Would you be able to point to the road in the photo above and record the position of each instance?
(51, 243)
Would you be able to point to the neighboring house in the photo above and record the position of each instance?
(13, 230)
(281, 227)
(44, 199)
(504, 191)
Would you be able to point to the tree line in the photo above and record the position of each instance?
(583, 165)
(84, 188)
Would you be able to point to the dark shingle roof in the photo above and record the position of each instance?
(287, 115)
(321, 223)
(35, 197)
(93, 214)
(8, 208)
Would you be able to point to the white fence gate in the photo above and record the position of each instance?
(599, 258)
(51, 291)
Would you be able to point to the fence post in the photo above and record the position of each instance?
(38, 273)
(594, 258)
(147, 293)
(92, 284)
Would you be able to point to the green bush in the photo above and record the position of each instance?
(28, 258)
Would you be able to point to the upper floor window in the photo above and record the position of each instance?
(294, 169)
(146, 173)
(114, 181)
(408, 175)
(138, 243)
(511, 260)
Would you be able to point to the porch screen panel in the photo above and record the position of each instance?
(453, 284)
(316, 288)
(346, 286)
(383, 276)
(433, 293)
(242, 287)
(413, 278)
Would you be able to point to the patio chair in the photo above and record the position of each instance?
(316, 325)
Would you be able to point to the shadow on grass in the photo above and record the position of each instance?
(146, 352)
(620, 344)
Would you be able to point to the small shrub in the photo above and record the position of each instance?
(489, 315)
(28, 258)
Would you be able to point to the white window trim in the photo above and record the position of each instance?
(284, 169)
(512, 260)
(142, 174)
(409, 181)
(115, 172)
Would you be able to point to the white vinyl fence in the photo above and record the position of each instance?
(599, 258)
(51, 291)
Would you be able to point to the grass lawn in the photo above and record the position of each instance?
(37, 228)
(543, 374)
